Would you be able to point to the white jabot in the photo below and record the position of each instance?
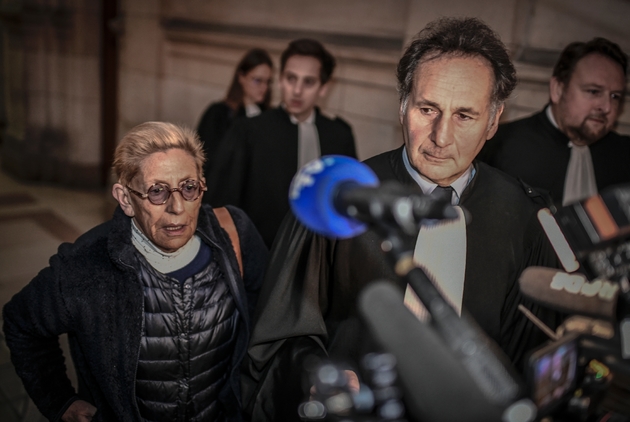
(579, 181)
(308, 139)
(252, 110)
(441, 252)
(441, 246)
(162, 261)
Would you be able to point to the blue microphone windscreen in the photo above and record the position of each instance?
(313, 189)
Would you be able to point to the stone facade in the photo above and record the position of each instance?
(51, 91)
(177, 56)
(192, 47)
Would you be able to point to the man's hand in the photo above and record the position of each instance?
(79, 411)
(353, 384)
(353, 381)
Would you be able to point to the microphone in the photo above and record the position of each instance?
(336, 196)
(570, 293)
(436, 383)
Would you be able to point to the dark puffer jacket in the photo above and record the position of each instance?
(185, 354)
(91, 291)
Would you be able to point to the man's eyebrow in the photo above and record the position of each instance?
(467, 110)
(598, 86)
(424, 102)
(592, 85)
(602, 87)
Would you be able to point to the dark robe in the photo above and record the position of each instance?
(213, 126)
(259, 157)
(535, 151)
(308, 299)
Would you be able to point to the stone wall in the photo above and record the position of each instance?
(177, 56)
(190, 50)
(51, 91)
(181, 54)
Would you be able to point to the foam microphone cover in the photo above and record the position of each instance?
(436, 385)
(313, 190)
(570, 293)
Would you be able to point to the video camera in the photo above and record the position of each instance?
(586, 370)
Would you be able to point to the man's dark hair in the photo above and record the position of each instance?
(576, 51)
(459, 37)
(312, 48)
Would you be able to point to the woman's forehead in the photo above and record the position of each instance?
(171, 166)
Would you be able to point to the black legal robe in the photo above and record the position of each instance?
(213, 126)
(308, 301)
(258, 159)
(535, 151)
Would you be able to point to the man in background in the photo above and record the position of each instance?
(260, 156)
(569, 148)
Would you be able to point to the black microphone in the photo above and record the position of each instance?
(436, 384)
(570, 293)
(390, 201)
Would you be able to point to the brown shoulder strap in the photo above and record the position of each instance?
(225, 220)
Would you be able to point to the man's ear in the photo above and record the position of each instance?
(323, 90)
(555, 90)
(494, 124)
(120, 194)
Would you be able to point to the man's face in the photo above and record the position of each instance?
(448, 116)
(171, 225)
(587, 107)
(301, 86)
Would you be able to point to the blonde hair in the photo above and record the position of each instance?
(149, 138)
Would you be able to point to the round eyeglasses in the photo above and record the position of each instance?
(159, 193)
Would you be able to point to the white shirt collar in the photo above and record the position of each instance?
(552, 119)
(252, 110)
(310, 119)
(427, 186)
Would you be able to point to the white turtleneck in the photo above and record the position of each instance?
(162, 261)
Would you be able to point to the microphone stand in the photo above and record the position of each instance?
(461, 335)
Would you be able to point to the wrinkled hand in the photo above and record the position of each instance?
(79, 411)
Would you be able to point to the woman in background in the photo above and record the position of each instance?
(248, 95)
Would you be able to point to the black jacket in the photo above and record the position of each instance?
(213, 126)
(91, 291)
(259, 157)
(535, 151)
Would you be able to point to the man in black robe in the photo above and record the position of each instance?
(569, 149)
(453, 80)
(260, 156)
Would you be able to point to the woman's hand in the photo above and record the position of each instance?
(79, 411)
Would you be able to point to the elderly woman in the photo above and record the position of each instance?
(156, 302)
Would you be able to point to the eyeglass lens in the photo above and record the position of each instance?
(159, 193)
